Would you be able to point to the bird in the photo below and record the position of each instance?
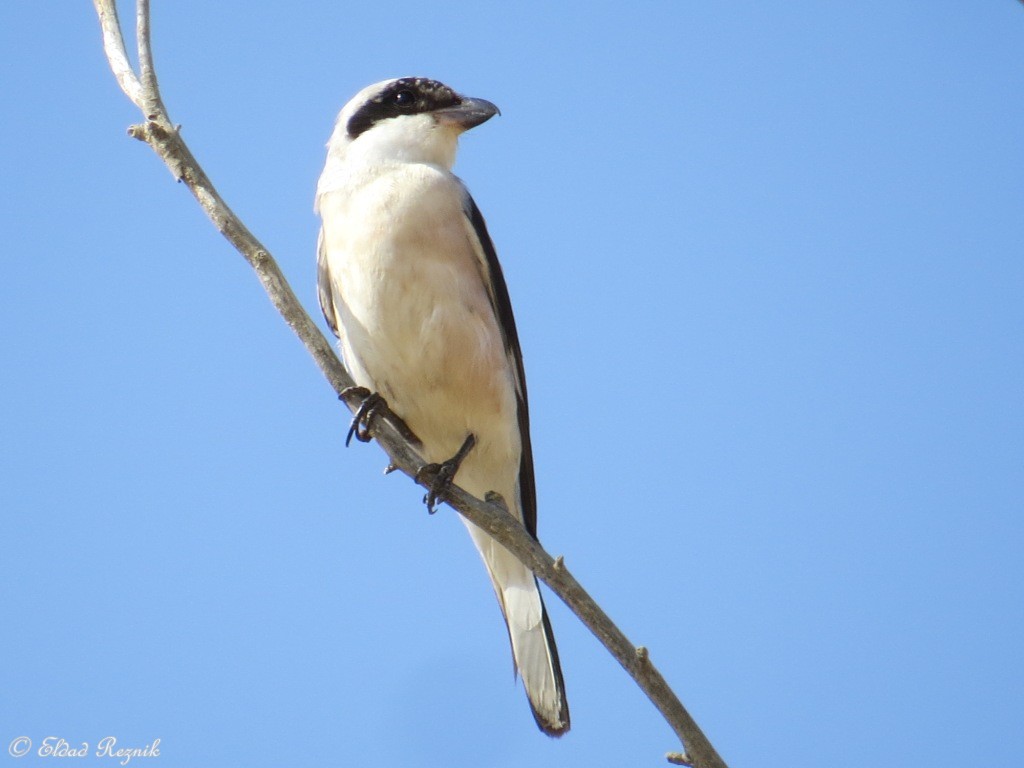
(409, 281)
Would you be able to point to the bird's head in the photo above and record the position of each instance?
(408, 119)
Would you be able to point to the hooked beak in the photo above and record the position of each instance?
(468, 113)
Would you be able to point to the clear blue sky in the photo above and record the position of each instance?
(767, 262)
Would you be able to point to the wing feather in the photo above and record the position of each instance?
(323, 285)
(506, 321)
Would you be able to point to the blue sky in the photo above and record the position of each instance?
(767, 262)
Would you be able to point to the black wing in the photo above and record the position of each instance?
(503, 311)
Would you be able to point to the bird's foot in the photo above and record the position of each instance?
(440, 476)
(362, 422)
(372, 408)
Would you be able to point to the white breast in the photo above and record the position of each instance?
(414, 315)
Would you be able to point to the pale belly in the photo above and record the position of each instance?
(417, 326)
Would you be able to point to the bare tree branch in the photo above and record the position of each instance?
(147, 74)
(113, 46)
(163, 136)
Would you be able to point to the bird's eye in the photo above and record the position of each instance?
(404, 98)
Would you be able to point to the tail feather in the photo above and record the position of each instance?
(529, 630)
(560, 725)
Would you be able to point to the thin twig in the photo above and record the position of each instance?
(147, 73)
(113, 46)
(163, 136)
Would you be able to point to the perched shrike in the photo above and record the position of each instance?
(410, 283)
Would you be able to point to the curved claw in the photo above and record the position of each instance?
(444, 474)
(362, 420)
